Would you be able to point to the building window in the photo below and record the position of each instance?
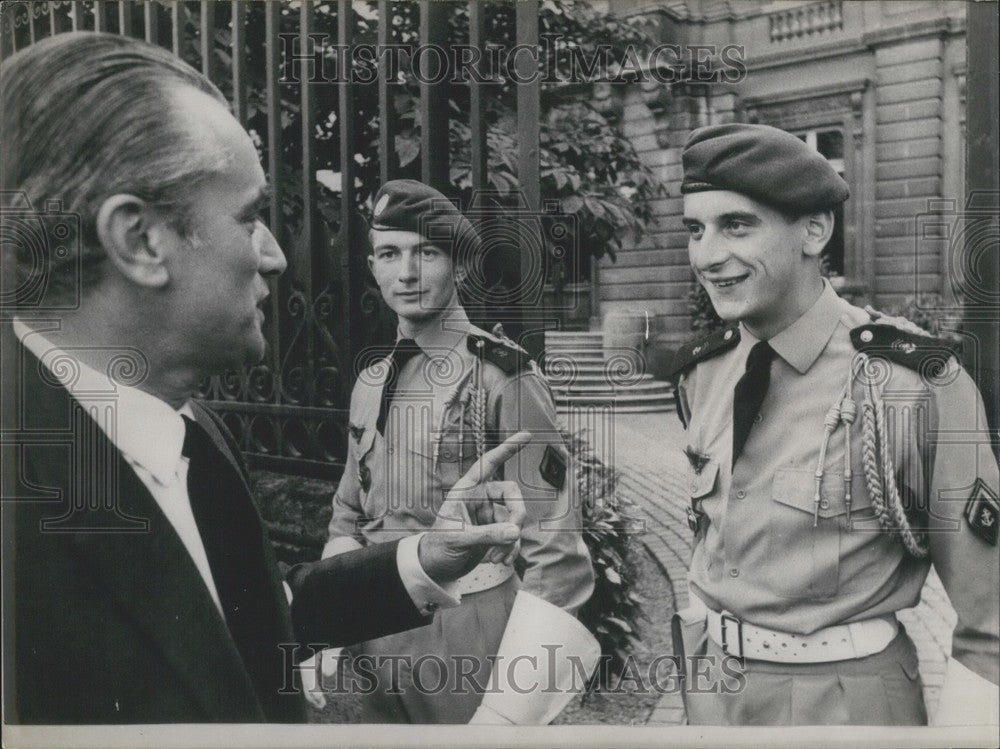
(830, 144)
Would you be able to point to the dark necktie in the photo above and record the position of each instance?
(749, 394)
(231, 533)
(406, 349)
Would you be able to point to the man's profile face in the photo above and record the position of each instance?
(747, 256)
(218, 271)
(415, 277)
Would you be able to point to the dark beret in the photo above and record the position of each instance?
(408, 205)
(769, 165)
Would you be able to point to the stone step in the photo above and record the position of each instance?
(583, 339)
(574, 349)
(585, 357)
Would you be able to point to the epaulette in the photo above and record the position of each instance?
(917, 351)
(504, 353)
(702, 348)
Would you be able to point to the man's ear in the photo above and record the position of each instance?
(461, 272)
(135, 240)
(819, 229)
(371, 262)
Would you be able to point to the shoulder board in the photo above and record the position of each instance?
(917, 351)
(702, 348)
(509, 357)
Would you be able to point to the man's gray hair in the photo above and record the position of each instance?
(86, 115)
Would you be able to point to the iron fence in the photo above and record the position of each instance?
(290, 412)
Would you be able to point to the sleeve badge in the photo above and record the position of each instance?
(553, 467)
(982, 512)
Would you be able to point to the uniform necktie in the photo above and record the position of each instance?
(406, 349)
(749, 394)
(231, 533)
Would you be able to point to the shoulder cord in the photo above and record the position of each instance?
(478, 398)
(880, 480)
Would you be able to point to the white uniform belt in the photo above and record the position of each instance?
(840, 642)
(483, 577)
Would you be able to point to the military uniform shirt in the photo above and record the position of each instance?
(756, 551)
(393, 484)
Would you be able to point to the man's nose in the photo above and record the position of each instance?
(272, 259)
(409, 266)
(710, 252)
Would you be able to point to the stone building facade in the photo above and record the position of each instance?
(878, 87)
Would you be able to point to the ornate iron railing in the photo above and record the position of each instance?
(289, 412)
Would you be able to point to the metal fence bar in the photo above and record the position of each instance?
(528, 116)
(434, 168)
(8, 47)
(30, 7)
(386, 124)
(477, 123)
(77, 9)
(100, 15)
(125, 17)
(302, 266)
(348, 243)
(272, 26)
(151, 13)
(239, 53)
(206, 38)
(53, 28)
(177, 27)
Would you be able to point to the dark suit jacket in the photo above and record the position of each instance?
(106, 618)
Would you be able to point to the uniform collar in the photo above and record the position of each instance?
(801, 343)
(451, 329)
(145, 429)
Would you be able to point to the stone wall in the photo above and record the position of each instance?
(889, 76)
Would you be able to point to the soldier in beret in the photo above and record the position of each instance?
(835, 456)
(419, 418)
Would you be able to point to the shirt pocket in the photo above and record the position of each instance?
(455, 457)
(806, 559)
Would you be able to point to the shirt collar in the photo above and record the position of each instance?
(801, 343)
(147, 430)
(451, 329)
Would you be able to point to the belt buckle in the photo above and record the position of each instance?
(724, 619)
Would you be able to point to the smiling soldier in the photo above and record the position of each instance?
(821, 488)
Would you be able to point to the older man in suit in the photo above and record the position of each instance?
(139, 583)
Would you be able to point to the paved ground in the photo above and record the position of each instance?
(646, 449)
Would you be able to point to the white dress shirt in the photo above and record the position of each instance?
(149, 433)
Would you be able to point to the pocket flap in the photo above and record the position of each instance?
(797, 488)
(451, 451)
(703, 483)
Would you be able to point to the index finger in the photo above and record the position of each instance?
(484, 468)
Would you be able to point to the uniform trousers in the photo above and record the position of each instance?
(461, 639)
(881, 689)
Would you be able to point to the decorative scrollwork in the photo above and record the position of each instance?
(260, 384)
(623, 369)
(60, 368)
(874, 371)
(231, 385)
(561, 370)
(443, 370)
(129, 367)
(936, 371)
